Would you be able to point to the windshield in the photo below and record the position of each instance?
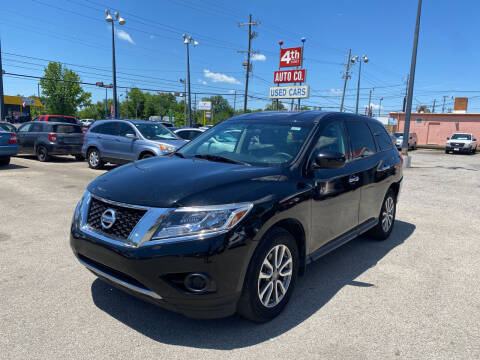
(155, 132)
(461, 137)
(251, 142)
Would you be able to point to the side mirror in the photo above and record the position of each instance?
(329, 160)
(448, 138)
(131, 136)
(474, 139)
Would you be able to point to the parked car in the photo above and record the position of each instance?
(412, 140)
(461, 142)
(121, 141)
(57, 118)
(208, 232)
(8, 146)
(188, 133)
(7, 126)
(46, 139)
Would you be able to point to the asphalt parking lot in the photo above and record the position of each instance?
(414, 296)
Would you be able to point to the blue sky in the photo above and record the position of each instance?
(151, 53)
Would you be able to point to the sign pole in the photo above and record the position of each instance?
(204, 117)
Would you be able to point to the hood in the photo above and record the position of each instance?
(176, 143)
(172, 182)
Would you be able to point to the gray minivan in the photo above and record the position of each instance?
(122, 141)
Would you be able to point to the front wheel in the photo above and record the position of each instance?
(386, 219)
(271, 277)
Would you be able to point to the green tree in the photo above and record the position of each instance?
(61, 90)
(273, 107)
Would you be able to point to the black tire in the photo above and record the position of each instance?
(415, 146)
(94, 159)
(146, 156)
(446, 151)
(42, 153)
(79, 157)
(381, 232)
(250, 306)
(4, 160)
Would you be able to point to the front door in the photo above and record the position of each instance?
(336, 196)
(124, 146)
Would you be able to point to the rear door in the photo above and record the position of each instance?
(106, 135)
(68, 134)
(366, 160)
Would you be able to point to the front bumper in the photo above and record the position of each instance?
(463, 149)
(151, 272)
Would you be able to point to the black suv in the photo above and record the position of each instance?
(44, 139)
(227, 222)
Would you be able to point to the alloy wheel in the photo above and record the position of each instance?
(275, 276)
(93, 158)
(387, 214)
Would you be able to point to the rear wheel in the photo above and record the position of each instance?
(271, 277)
(446, 151)
(386, 219)
(94, 159)
(42, 153)
(4, 160)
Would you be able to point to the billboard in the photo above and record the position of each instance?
(289, 76)
(289, 92)
(205, 105)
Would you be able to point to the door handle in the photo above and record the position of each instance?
(353, 179)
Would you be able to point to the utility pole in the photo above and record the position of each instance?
(406, 91)
(408, 112)
(249, 52)
(2, 105)
(369, 113)
(346, 76)
(234, 100)
(443, 106)
(301, 66)
(433, 107)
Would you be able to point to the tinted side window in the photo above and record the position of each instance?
(332, 138)
(24, 128)
(67, 129)
(383, 139)
(361, 139)
(106, 129)
(36, 127)
(124, 129)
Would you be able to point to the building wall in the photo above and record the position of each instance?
(433, 129)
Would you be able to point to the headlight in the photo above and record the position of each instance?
(77, 215)
(201, 221)
(166, 148)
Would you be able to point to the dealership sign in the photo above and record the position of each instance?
(291, 57)
(289, 76)
(289, 92)
(205, 105)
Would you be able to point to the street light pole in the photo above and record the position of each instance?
(361, 59)
(184, 82)
(2, 105)
(408, 111)
(186, 41)
(121, 21)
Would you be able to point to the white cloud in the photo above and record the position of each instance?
(203, 82)
(124, 36)
(375, 106)
(258, 57)
(231, 91)
(335, 91)
(218, 77)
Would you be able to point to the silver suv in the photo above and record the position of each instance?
(121, 141)
(412, 140)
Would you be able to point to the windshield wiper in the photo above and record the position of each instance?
(219, 158)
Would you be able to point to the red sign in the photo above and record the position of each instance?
(289, 76)
(291, 57)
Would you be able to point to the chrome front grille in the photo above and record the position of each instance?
(125, 218)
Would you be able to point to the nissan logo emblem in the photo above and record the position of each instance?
(108, 219)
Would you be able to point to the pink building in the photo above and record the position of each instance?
(434, 128)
